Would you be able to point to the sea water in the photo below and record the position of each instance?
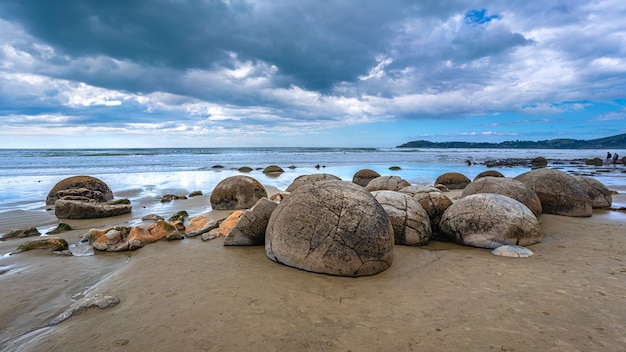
(27, 175)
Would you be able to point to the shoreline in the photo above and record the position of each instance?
(205, 296)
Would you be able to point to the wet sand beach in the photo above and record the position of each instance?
(194, 295)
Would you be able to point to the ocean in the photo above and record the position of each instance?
(27, 175)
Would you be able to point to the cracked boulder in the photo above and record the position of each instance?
(308, 179)
(490, 220)
(331, 227)
(390, 183)
(250, 229)
(364, 176)
(82, 187)
(410, 222)
(598, 193)
(559, 193)
(506, 187)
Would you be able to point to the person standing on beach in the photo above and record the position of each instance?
(608, 158)
(615, 156)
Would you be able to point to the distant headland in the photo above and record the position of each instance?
(614, 142)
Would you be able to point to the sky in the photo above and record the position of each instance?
(333, 73)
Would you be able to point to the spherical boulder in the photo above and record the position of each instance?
(453, 180)
(506, 187)
(308, 179)
(83, 186)
(331, 227)
(559, 193)
(273, 169)
(237, 192)
(488, 173)
(410, 222)
(364, 176)
(390, 183)
(598, 193)
(538, 162)
(490, 220)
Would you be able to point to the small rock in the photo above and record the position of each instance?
(179, 216)
(31, 231)
(195, 194)
(154, 217)
(60, 228)
(512, 251)
(98, 300)
(46, 242)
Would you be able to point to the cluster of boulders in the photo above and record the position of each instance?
(325, 225)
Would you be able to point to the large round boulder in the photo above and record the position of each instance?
(308, 179)
(237, 192)
(490, 220)
(506, 187)
(331, 227)
(410, 222)
(453, 180)
(86, 187)
(598, 193)
(559, 193)
(364, 176)
(390, 183)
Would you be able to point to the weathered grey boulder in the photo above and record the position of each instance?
(559, 193)
(410, 222)
(75, 209)
(308, 179)
(390, 183)
(413, 190)
(331, 227)
(364, 176)
(598, 193)
(488, 173)
(490, 220)
(506, 187)
(87, 186)
(435, 204)
(453, 180)
(237, 192)
(250, 229)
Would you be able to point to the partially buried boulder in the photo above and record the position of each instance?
(308, 179)
(488, 173)
(598, 193)
(489, 221)
(237, 192)
(364, 176)
(390, 183)
(559, 193)
(250, 229)
(453, 180)
(410, 222)
(506, 187)
(82, 186)
(331, 227)
(76, 209)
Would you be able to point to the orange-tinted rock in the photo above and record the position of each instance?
(227, 225)
(163, 229)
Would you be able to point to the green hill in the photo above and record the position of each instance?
(614, 142)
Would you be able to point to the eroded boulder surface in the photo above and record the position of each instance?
(453, 180)
(390, 183)
(250, 229)
(435, 204)
(308, 179)
(87, 187)
(490, 220)
(78, 209)
(237, 192)
(506, 187)
(599, 194)
(364, 176)
(559, 193)
(488, 173)
(410, 222)
(331, 227)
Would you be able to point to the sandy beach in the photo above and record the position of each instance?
(194, 295)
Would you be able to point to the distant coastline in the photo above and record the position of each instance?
(613, 142)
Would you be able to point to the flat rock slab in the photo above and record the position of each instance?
(512, 251)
